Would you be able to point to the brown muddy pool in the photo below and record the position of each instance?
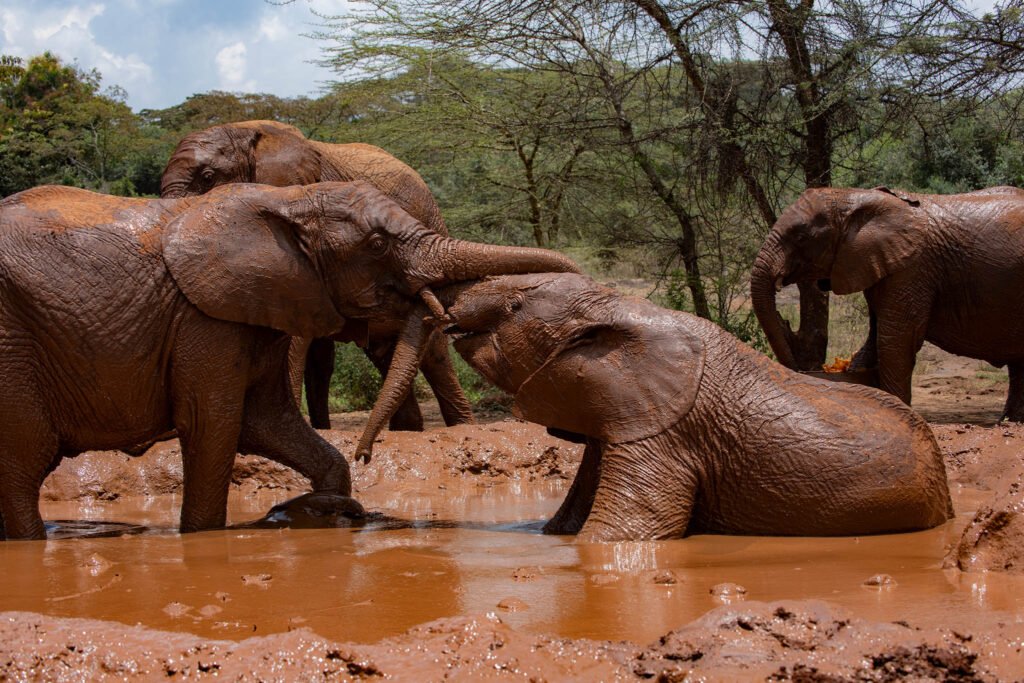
(373, 582)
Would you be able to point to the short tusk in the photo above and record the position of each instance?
(432, 303)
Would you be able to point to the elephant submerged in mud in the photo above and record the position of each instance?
(278, 154)
(687, 429)
(124, 320)
(948, 269)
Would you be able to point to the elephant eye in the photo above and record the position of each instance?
(207, 175)
(515, 304)
(377, 245)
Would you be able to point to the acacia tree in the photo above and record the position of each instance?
(767, 95)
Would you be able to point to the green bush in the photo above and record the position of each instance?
(356, 382)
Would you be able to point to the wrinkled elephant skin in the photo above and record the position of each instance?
(688, 430)
(947, 269)
(123, 320)
(278, 154)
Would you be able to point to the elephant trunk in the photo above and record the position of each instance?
(405, 363)
(765, 281)
(451, 260)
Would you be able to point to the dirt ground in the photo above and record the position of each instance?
(466, 588)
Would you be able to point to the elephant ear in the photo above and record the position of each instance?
(284, 157)
(618, 381)
(883, 232)
(244, 255)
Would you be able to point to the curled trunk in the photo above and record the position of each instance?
(765, 279)
(802, 350)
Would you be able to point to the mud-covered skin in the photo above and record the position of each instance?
(941, 268)
(278, 154)
(123, 320)
(688, 429)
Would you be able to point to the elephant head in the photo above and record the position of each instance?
(844, 239)
(576, 356)
(228, 154)
(302, 259)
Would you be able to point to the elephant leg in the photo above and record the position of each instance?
(408, 417)
(640, 496)
(867, 357)
(901, 331)
(319, 369)
(272, 427)
(439, 372)
(211, 367)
(577, 504)
(297, 350)
(1014, 410)
(29, 450)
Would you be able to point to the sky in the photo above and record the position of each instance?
(162, 51)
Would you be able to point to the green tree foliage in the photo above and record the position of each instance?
(57, 126)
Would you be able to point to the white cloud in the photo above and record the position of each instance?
(231, 65)
(76, 19)
(65, 31)
(162, 51)
(272, 28)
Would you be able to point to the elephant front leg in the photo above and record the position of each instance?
(1014, 409)
(577, 504)
(867, 357)
(903, 314)
(642, 495)
(272, 427)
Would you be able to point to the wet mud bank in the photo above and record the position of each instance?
(470, 587)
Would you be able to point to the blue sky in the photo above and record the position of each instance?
(162, 51)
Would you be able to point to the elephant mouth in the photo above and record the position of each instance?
(459, 334)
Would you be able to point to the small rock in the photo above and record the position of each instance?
(222, 596)
(728, 592)
(880, 581)
(524, 573)
(296, 622)
(665, 577)
(258, 580)
(512, 605)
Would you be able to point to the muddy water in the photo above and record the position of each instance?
(369, 583)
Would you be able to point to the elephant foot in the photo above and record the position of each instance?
(316, 510)
(1014, 409)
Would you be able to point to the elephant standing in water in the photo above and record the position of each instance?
(687, 429)
(948, 269)
(278, 154)
(123, 320)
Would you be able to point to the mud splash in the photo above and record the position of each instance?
(475, 498)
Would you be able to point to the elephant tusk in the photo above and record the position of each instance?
(436, 309)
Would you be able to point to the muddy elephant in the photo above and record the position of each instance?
(948, 269)
(278, 154)
(123, 320)
(689, 430)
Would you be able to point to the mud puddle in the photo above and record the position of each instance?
(473, 549)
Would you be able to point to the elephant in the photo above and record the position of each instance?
(943, 268)
(123, 321)
(278, 154)
(688, 430)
